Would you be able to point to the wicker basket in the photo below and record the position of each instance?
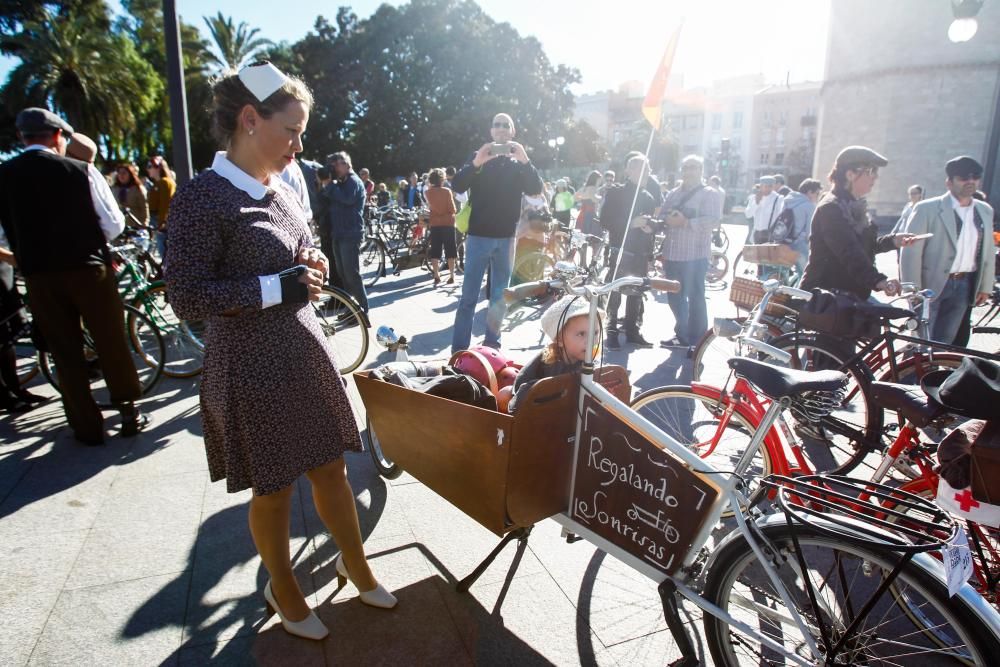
(771, 254)
(746, 293)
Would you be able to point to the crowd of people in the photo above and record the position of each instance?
(239, 253)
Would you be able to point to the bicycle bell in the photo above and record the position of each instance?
(386, 336)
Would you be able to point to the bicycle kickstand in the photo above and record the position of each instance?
(672, 614)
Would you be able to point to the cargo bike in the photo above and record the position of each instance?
(816, 581)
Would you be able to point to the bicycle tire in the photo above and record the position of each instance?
(911, 370)
(668, 409)
(185, 348)
(734, 587)
(383, 465)
(372, 261)
(712, 354)
(532, 266)
(717, 269)
(848, 435)
(147, 347)
(345, 327)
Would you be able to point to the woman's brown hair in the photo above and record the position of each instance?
(229, 96)
(133, 175)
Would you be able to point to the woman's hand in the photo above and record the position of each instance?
(314, 259)
(903, 239)
(314, 280)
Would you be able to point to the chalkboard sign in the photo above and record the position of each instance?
(633, 494)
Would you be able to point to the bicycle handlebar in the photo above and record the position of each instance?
(528, 290)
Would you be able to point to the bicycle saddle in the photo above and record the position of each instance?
(886, 312)
(778, 382)
(906, 399)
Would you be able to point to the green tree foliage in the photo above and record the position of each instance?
(432, 75)
(72, 62)
(235, 43)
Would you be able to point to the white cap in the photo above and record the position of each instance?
(562, 311)
(262, 79)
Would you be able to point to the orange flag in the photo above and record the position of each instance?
(654, 98)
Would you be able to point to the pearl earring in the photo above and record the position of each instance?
(251, 133)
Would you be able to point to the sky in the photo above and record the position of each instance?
(608, 41)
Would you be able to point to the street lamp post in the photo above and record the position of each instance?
(181, 158)
(555, 144)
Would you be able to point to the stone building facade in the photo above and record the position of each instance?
(784, 131)
(895, 82)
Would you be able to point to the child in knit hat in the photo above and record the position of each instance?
(565, 323)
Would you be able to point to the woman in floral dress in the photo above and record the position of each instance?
(272, 400)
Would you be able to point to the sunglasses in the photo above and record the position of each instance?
(870, 171)
(501, 126)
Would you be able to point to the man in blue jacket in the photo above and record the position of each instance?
(346, 198)
(496, 178)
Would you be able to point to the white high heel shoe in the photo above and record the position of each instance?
(377, 597)
(310, 627)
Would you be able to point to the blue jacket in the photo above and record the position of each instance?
(347, 205)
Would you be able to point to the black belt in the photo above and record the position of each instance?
(959, 274)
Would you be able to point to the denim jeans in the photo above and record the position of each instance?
(688, 305)
(346, 258)
(948, 309)
(483, 253)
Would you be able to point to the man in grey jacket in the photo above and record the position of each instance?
(957, 261)
(802, 204)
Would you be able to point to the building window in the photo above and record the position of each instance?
(763, 158)
(765, 139)
(783, 118)
(716, 121)
(737, 119)
(779, 137)
(779, 158)
(694, 122)
(735, 142)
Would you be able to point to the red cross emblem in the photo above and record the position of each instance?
(965, 500)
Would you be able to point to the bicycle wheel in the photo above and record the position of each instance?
(844, 577)
(839, 442)
(372, 261)
(383, 465)
(693, 420)
(26, 360)
(532, 266)
(184, 341)
(345, 327)
(718, 267)
(148, 356)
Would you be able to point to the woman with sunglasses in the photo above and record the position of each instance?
(844, 242)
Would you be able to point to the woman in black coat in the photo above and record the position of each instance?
(843, 242)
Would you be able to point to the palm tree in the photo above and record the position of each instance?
(236, 44)
(73, 64)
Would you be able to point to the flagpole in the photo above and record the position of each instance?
(635, 197)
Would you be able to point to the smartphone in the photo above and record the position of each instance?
(921, 237)
(501, 149)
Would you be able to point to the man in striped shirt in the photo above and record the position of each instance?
(691, 210)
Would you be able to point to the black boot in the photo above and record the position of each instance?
(635, 338)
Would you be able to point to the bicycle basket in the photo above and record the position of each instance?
(747, 293)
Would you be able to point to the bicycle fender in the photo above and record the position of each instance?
(966, 595)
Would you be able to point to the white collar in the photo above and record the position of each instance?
(955, 204)
(239, 178)
(38, 147)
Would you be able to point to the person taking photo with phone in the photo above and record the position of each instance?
(496, 177)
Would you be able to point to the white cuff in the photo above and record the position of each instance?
(270, 291)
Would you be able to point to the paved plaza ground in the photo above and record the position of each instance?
(127, 555)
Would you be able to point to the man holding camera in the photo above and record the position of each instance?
(691, 210)
(496, 178)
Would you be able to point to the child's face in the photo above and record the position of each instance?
(574, 338)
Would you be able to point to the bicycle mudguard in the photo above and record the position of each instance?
(966, 595)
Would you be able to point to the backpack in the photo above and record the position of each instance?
(781, 228)
(837, 313)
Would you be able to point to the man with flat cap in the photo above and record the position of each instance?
(58, 214)
(843, 241)
(957, 262)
